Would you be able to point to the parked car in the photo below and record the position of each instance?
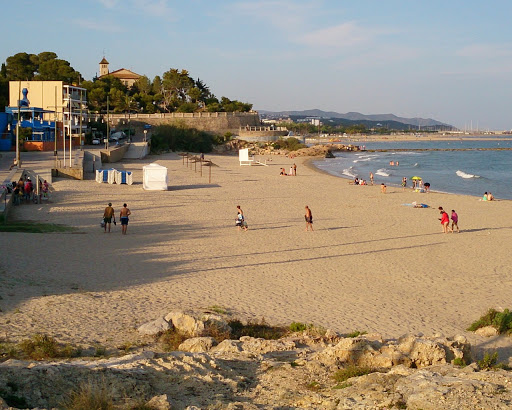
(96, 141)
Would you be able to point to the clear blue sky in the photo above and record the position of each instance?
(449, 60)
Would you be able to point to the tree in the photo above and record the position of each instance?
(142, 85)
(20, 67)
(175, 85)
(57, 70)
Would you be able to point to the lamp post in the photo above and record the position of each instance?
(108, 125)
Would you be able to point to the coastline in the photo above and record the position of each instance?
(371, 264)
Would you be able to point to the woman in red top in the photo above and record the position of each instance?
(445, 220)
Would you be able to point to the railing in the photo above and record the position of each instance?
(176, 115)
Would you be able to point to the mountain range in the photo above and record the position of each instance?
(356, 116)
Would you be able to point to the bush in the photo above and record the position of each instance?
(343, 375)
(290, 144)
(171, 339)
(90, 396)
(180, 138)
(256, 329)
(501, 321)
(298, 327)
(489, 361)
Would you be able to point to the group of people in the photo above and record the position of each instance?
(109, 216)
(24, 190)
(358, 181)
(445, 220)
(293, 170)
(488, 196)
(393, 163)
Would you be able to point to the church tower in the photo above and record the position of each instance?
(103, 67)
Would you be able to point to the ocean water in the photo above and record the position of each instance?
(470, 172)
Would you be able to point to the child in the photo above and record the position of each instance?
(455, 220)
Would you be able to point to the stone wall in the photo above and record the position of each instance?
(215, 122)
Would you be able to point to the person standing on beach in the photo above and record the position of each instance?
(108, 215)
(371, 178)
(455, 220)
(240, 219)
(445, 220)
(308, 216)
(404, 183)
(294, 170)
(123, 216)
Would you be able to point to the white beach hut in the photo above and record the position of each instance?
(155, 177)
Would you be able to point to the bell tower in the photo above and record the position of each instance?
(103, 67)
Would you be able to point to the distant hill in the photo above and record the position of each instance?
(356, 116)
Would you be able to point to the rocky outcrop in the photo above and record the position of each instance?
(293, 372)
(188, 323)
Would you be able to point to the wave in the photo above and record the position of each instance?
(416, 164)
(349, 172)
(382, 172)
(462, 174)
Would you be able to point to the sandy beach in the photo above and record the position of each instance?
(372, 264)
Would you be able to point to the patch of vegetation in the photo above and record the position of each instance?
(40, 347)
(459, 361)
(314, 385)
(33, 227)
(343, 375)
(217, 332)
(501, 321)
(355, 334)
(141, 406)
(257, 329)
(171, 339)
(180, 138)
(299, 327)
(343, 385)
(489, 361)
(99, 351)
(90, 396)
(218, 309)
(290, 144)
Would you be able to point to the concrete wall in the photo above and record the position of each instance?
(114, 154)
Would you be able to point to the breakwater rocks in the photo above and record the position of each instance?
(320, 150)
(309, 369)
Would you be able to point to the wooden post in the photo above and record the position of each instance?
(201, 168)
(210, 174)
(195, 165)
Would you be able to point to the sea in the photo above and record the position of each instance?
(467, 167)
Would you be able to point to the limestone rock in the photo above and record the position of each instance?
(154, 327)
(487, 331)
(160, 402)
(185, 323)
(197, 344)
(228, 346)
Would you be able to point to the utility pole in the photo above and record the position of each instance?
(108, 125)
(55, 124)
(18, 127)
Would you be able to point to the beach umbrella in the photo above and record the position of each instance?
(416, 178)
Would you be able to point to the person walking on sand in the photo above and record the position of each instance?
(123, 216)
(308, 216)
(240, 219)
(294, 170)
(371, 178)
(445, 220)
(455, 220)
(107, 216)
(404, 183)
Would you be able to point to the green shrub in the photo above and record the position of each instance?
(180, 138)
(298, 327)
(501, 321)
(256, 329)
(290, 144)
(171, 339)
(355, 334)
(40, 347)
(343, 375)
(459, 361)
(489, 361)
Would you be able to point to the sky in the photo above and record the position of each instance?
(450, 60)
